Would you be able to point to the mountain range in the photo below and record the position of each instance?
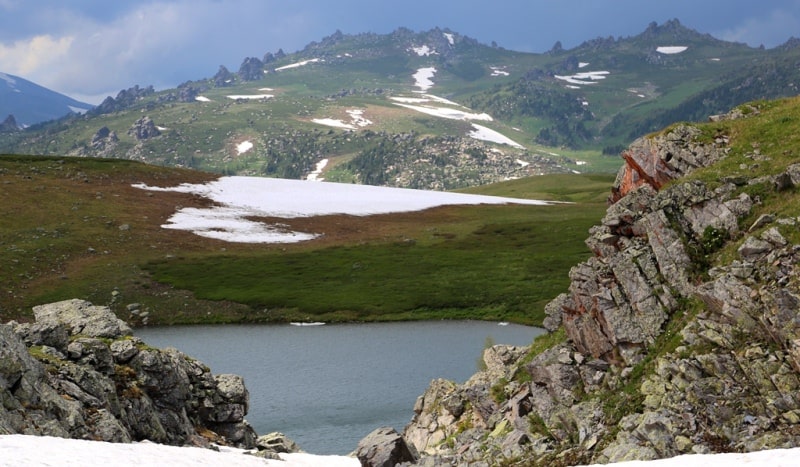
(433, 109)
(30, 103)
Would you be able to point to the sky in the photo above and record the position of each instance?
(90, 49)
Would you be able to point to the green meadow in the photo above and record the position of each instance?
(75, 228)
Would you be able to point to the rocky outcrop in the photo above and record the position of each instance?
(125, 99)
(656, 160)
(77, 372)
(653, 352)
(104, 139)
(384, 447)
(223, 77)
(9, 125)
(143, 129)
(251, 69)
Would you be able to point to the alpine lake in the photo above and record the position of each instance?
(328, 386)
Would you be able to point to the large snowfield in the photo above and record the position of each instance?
(30, 451)
(242, 198)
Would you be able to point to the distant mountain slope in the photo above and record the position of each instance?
(432, 109)
(30, 103)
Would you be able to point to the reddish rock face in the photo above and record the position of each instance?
(655, 160)
(640, 168)
(619, 300)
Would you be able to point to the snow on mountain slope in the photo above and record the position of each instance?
(30, 103)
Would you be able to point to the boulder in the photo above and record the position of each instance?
(81, 317)
(277, 442)
(144, 128)
(385, 447)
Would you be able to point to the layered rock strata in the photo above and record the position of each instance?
(655, 354)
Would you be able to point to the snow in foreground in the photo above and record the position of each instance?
(29, 451)
(240, 199)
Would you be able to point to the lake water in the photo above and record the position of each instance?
(326, 387)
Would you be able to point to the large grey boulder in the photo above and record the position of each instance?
(385, 447)
(81, 317)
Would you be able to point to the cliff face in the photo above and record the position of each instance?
(653, 353)
(77, 372)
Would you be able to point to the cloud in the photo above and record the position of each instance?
(33, 55)
(768, 30)
(162, 43)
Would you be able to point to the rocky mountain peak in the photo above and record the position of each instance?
(9, 124)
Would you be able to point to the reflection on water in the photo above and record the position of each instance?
(326, 387)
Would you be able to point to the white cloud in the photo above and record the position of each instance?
(769, 29)
(94, 54)
(26, 57)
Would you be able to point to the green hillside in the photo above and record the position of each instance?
(357, 103)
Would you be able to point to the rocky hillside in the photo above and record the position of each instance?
(680, 334)
(432, 109)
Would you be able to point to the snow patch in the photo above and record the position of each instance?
(441, 100)
(583, 64)
(499, 71)
(336, 123)
(581, 78)
(671, 49)
(523, 163)
(423, 51)
(482, 133)
(356, 120)
(266, 89)
(243, 147)
(30, 451)
(438, 111)
(450, 38)
(250, 96)
(357, 117)
(202, 99)
(239, 199)
(79, 110)
(314, 176)
(298, 64)
(444, 112)
(411, 100)
(36, 451)
(422, 78)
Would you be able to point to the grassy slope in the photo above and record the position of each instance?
(76, 228)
